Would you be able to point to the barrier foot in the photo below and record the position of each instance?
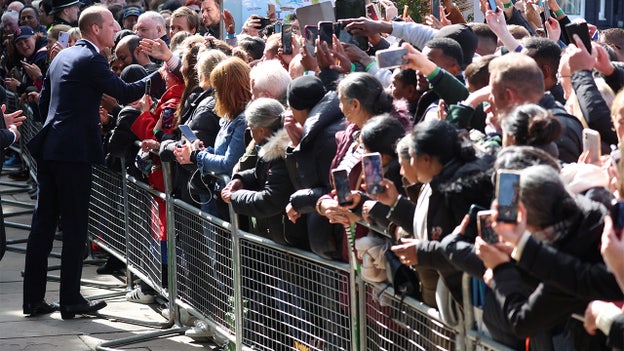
(109, 345)
(135, 321)
(89, 282)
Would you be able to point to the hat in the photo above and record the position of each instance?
(131, 11)
(58, 5)
(132, 73)
(23, 32)
(305, 92)
(466, 38)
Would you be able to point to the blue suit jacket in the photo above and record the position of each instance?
(70, 101)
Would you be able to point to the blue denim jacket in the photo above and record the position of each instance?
(229, 146)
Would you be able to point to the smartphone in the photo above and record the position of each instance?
(373, 172)
(287, 39)
(484, 227)
(63, 38)
(277, 27)
(508, 195)
(435, 8)
(187, 133)
(264, 21)
(326, 30)
(341, 184)
(591, 143)
(546, 11)
(391, 58)
(350, 8)
(472, 228)
(372, 12)
(311, 33)
(148, 87)
(492, 5)
(168, 117)
(582, 31)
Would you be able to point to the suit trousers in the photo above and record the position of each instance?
(64, 190)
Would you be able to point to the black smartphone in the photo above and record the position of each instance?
(341, 184)
(435, 8)
(391, 58)
(264, 21)
(148, 87)
(492, 5)
(484, 227)
(311, 34)
(287, 39)
(508, 195)
(617, 214)
(582, 31)
(187, 133)
(373, 172)
(326, 30)
(350, 8)
(471, 229)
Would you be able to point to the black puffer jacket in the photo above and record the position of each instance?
(308, 163)
(570, 143)
(265, 195)
(548, 306)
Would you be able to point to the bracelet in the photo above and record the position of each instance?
(231, 35)
(370, 65)
(309, 73)
(519, 48)
(352, 67)
(559, 13)
(156, 130)
(508, 5)
(318, 206)
(395, 203)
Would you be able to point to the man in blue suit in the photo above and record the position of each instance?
(65, 149)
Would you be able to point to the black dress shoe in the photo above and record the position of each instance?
(87, 307)
(38, 308)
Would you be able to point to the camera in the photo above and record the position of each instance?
(264, 21)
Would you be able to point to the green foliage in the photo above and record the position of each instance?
(417, 9)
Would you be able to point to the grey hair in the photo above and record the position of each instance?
(14, 15)
(272, 77)
(403, 147)
(545, 197)
(264, 112)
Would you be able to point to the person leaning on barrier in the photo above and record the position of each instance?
(572, 224)
(264, 191)
(312, 127)
(65, 149)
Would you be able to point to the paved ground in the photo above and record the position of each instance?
(50, 332)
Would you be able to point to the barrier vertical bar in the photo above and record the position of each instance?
(171, 244)
(124, 192)
(236, 270)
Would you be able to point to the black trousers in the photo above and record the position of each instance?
(64, 190)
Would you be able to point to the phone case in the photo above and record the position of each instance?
(373, 172)
(507, 195)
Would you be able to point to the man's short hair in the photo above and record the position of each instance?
(450, 48)
(132, 41)
(156, 17)
(477, 73)
(191, 16)
(518, 32)
(253, 46)
(520, 73)
(90, 16)
(544, 51)
(613, 37)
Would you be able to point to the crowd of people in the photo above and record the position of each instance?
(470, 101)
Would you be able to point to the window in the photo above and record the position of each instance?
(574, 8)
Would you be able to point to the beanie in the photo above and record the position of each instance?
(305, 92)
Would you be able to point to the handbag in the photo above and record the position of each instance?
(404, 280)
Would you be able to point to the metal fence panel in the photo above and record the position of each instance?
(204, 265)
(408, 325)
(106, 211)
(145, 248)
(292, 302)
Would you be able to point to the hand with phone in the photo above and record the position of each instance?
(417, 61)
(252, 26)
(492, 255)
(366, 27)
(509, 232)
(32, 70)
(333, 57)
(498, 24)
(390, 194)
(579, 57)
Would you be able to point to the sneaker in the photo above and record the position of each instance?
(138, 296)
(12, 161)
(201, 331)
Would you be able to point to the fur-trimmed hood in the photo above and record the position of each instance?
(275, 147)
